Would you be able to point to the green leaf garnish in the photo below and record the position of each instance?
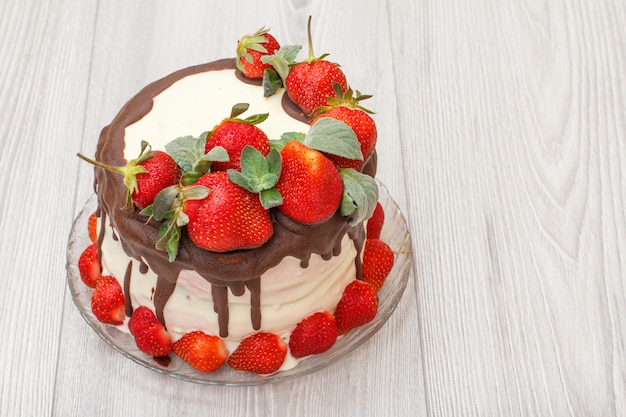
(285, 138)
(360, 194)
(271, 82)
(332, 136)
(259, 175)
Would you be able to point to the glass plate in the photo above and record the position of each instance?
(395, 233)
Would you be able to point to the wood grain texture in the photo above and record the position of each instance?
(502, 138)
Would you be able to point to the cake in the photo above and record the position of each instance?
(257, 278)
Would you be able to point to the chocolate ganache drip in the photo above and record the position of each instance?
(231, 271)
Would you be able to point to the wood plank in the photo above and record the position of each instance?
(518, 200)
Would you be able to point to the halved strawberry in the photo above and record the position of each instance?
(203, 352)
(89, 266)
(377, 262)
(375, 223)
(358, 306)
(107, 301)
(92, 227)
(314, 334)
(149, 333)
(261, 353)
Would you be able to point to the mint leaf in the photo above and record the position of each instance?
(285, 138)
(186, 150)
(360, 195)
(270, 198)
(332, 136)
(271, 82)
(282, 59)
(164, 202)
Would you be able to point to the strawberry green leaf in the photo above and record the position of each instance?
(238, 109)
(255, 119)
(285, 138)
(271, 82)
(334, 137)
(282, 59)
(270, 198)
(360, 195)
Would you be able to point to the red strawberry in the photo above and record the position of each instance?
(375, 223)
(234, 134)
(201, 351)
(251, 48)
(310, 83)
(149, 333)
(314, 334)
(92, 228)
(377, 262)
(229, 218)
(261, 353)
(345, 108)
(358, 306)
(89, 267)
(144, 176)
(107, 301)
(309, 183)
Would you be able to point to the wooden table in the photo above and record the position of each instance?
(502, 137)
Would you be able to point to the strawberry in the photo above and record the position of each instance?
(375, 223)
(228, 218)
(261, 353)
(346, 108)
(89, 267)
(310, 184)
(107, 301)
(144, 176)
(150, 335)
(234, 134)
(310, 83)
(201, 351)
(92, 227)
(377, 262)
(251, 48)
(358, 306)
(314, 334)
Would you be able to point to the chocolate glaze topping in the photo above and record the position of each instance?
(231, 271)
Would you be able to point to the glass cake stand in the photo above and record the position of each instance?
(395, 233)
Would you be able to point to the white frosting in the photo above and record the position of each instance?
(197, 103)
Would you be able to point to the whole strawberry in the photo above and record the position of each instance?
(251, 48)
(107, 301)
(310, 83)
(203, 352)
(234, 134)
(377, 262)
(92, 227)
(144, 176)
(358, 306)
(314, 334)
(89, 266)
(310, 184)
(228, 218)
(150, 335)
(261, 353)
(345, 108)
(375, 223)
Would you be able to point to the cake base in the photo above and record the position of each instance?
(395, 233)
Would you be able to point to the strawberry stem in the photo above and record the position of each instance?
(311, 54)
(100, 164)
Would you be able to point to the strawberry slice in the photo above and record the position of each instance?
(203, 352)
(150, 335)
(375, 223)
(89, 267)
(358, 306)
(107, 301)
(261, 353)
(377, 262)
(314, 334)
